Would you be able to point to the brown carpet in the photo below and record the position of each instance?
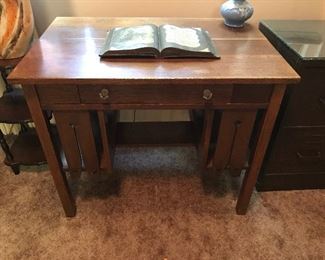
(161, 210)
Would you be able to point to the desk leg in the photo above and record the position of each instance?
(261, 146)
(42, 129)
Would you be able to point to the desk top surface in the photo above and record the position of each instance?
(68, 53)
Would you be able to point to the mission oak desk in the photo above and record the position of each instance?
(238, 95)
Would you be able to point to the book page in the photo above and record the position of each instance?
(190, 39)
(135, 37)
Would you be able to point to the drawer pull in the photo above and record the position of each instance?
(207, 94)
(309, 157)
(322, 101)
(104, 94)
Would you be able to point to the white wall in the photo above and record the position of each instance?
(46, 10)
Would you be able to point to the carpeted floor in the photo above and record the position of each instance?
(160, 210)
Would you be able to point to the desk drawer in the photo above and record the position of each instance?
(57, 94)
(138, 94)
(252, 94)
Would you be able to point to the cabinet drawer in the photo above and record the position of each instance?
(298, 150)
(306, 105)
(58, 94)
(169, 95)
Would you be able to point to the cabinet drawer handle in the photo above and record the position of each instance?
(322, 101)
(309, 157)
(207, 94)
(104, 94)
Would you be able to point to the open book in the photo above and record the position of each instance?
(167, 41)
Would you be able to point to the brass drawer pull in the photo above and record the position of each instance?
(317, 156)
(207, 94)
(104, 94)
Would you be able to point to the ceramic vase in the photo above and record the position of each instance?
(236, 12)
(16, 28)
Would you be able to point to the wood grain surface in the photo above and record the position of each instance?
(68, 52)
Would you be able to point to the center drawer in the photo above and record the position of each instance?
(165, 94)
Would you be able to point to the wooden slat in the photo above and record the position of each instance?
(239, 153)
(205, 138)
(112, 118)
(106, 157)
(86, 141)
(77, 140)
(226, 133)
(233, 138)
(67, 133)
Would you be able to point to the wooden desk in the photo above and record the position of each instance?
(62, 72)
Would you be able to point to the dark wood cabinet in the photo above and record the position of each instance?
(296, 155)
